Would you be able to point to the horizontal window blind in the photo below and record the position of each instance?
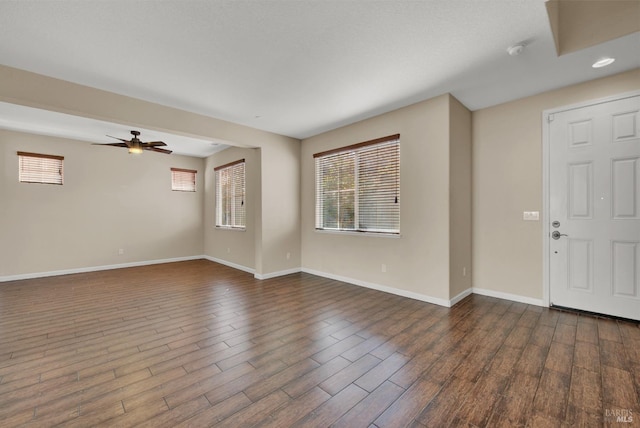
(183, 180)
(40, 168)
(230, 195)
(358, 187)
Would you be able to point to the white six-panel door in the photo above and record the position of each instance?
(594, 208)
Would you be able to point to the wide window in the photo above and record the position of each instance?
(39, 168)
(230, 195)
(358, 187)
(183, 180)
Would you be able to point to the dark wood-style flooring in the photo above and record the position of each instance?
(200, 344)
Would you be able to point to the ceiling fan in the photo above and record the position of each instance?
(136, 146)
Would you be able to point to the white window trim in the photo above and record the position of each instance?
(186, 171)
(218, 212)
(25, 156)
(394, 139)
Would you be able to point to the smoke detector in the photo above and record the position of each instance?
(515, 50)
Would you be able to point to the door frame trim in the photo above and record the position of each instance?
(546, 227)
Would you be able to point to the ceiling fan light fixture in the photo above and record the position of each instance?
(135, 146)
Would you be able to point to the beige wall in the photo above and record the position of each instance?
(418, 261)
(578, 25)
(280, 217)
(507, 180)
(460, 200)
(35, 90)
(232, 246)
(109, 200)
(89, 219)
(273, 199)
(278, 225)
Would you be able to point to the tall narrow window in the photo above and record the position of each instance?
(39, 168)
(183, 180)
(358, 187)
(230, 195)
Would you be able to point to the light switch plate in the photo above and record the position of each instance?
(531, 215)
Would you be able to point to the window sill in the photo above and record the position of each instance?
(232, 229)
(350, 233)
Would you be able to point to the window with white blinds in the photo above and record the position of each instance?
(358, 187)
(230, 195)
(39, 168)
(183, 180)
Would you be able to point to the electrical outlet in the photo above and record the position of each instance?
(228, 250)
(464, 271)
(383, 268)
(288, 256)
(120, 251)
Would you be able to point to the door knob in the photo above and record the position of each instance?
(556, 235)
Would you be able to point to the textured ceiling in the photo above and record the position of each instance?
(299, 68)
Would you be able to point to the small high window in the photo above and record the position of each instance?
(183, 180)
(230, 195)
(358, 187)
(39, 168)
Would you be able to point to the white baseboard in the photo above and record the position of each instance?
(145, 263)
(95, 268)
(509, 296)
(379, 287)
(251, 270)
(430, 299)
(230, 264)
(276, 274)
(456, 299)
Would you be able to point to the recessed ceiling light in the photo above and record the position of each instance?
(603, 62)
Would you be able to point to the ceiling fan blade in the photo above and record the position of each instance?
(112, 144)
(158, 150)
(154, 144)
(124, 141)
